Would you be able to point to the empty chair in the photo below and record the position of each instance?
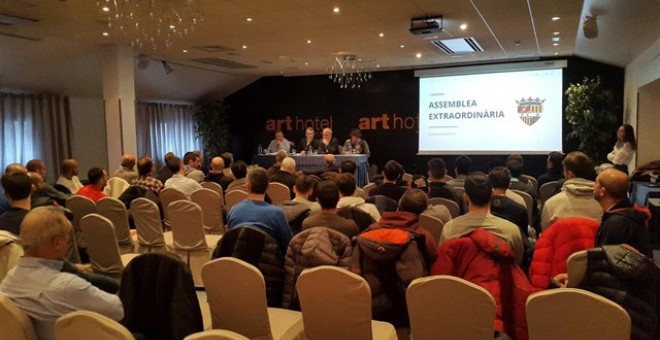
(342, 309)
(83, 325)
(102, 246)
(547, 190)
(278, 192)
(576, 268)
(212, 207)
(16, 325)
(213, 186)
(147, 223)
(236, 294)
(460, 191)
(216, 334)
(449, 307)
(529, 202)
(433, 225)
(167, 196)
(367, 188)
(115, 187)
(383, 203)
(234, 197)
(575, 314)
(452, 206)
(80, 206)
(114, 210)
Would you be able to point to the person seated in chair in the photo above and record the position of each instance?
(126, 170)
(347, 198)
(69, 176)
(38, 166)
(98, 178)
(327, 194)
(179, 181)
(279, 143)
(217, 173)
(328, 144)
(145, 168)
(391, 173)
(355, 144)
(308, 144)
(18, 187)
(286, 174)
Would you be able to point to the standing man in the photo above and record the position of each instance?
(328, 144)
(279, 143)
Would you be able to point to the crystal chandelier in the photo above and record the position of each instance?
(349, 71)
(152, 24)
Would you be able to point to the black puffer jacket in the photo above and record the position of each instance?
(630, 279)
(624, 223)
(260, 250)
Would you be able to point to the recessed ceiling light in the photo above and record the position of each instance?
(248, 19)
(306, 63)
(381, 34)
(244, 46)
(377, 66)
(105, 9)
(555, 18)
(335, 10)
(402, 46)
(555, 33)
(555, 44)
(184, 51)
(309, 41)
(556, 53)
(418, 55)
(105, 34)
(556, 39)
(172, 27)
(463, 27)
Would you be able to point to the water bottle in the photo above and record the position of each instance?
(350, 149)
(260, 150)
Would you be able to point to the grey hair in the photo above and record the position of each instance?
(41, 225)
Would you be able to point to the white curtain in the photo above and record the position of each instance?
(35, 126)
(163, 128)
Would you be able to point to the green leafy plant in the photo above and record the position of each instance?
(212, 126)
(591, 113)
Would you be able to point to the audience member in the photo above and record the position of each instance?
(98, 178)
(621, 223)
(217, 174)
(328, 144)
(38, 198)
(254, 211)
(330, 166)
(192, 164)
(438, 187)
(327, 194)
(308, 144)
(69, 175)
(179, 181)
(145, 167)
(279, 157)
(279, 143)
(239, 171)
(624, 149)
(347, 186)
(228, 158)
(4, 204)
(576, 196)
(126, 170)
(348, 167)
(478, 191)
(38, 166)
(17, 187)
(554, 168)
(515, 168)
(503, 206)
(355, 144)
(391, 173)
(462, 165)
(164, 174)
(286, 174)
(40, 288)
(303, 190)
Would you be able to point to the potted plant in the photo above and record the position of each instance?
(212, 126)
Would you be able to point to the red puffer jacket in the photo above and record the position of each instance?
(563, 238)
(488, 261)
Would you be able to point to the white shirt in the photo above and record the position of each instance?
(621, 154)
(72, 184)
(182, 183)
(358, 202)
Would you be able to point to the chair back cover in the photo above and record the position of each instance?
(546, 190)
(234, 197)
(278, 192)
(341, 310)
(577, 268)
(367, 188)
(359, 192)
(529, 202)
(10, 252)
(433, 224)
(167, 196)
(187, 225)
(449, 307)
(214, 186)
(147, 223)
(460, 191)
(80, 206)
(453, 207)
(115, 187)
(102, 244)
(83, 325)
(236, 294)
(572, 314)
(361, 217)
(531, 180)
(216, 334)
(212, 206)
(383, 203)
(16, 325)
(114, 210)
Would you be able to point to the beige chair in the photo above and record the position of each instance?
(278, 193)
(236, 294)
(359, 192)
(188, 238)
(10, 252)
(367, 188)
(85, 325)
(576, 268)
(453, 207)
(115, 187)
(16, 325)
(214, 186)
(102, 246)
(114, 210)
(529, 202)
(433, 225)
(460, 191)
(216, 334)
(341, 309)
(407, 178)
(546, 190)
(449, 307)
(80, 206)
(448, 178)
(575, 314)
(234, 197)
(531, 180)
(146, 216)
(166, 197)
(212, 208)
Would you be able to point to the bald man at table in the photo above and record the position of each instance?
(328, 144)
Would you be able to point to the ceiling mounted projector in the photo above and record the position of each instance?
(426, 25)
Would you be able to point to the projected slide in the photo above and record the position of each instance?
(495, 113)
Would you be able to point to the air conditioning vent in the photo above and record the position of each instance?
(458, 46)
(215, 48)
(222, 63)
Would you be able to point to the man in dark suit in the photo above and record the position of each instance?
(286, 174)
(308, 144)
(328, 144)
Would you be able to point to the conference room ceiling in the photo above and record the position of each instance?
(301, 37)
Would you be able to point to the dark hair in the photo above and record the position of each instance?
(629, 135)
(494, 163)
(17, 185)
(173, 164)
(94, 175)
(515, 167)
(414, 201)
(144, 166)
(239, 169)
(168, 156)
(462, 164)
(228, 158)
(478, 189)
(348, 167)
(279, 131)
(258, 179)
(580, 165)
(304, 184)
(517, 157)
(34, 165)
(280, 156)
(393, 170)
(437, 167)
(189, 156)
(500, 177)
(346, 184)
(555, 159)
(327, 193)
(355, 132)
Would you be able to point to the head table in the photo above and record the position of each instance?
(310, 164)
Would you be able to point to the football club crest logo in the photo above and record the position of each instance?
(530, 110)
